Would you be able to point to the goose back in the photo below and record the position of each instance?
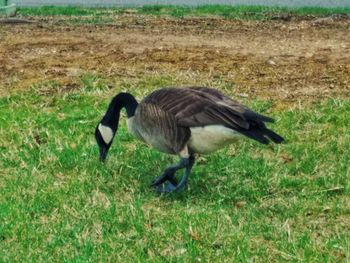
(201, 106)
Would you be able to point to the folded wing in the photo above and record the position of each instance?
(202, 106)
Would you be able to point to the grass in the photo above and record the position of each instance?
(231, 12)
(240, 12)
(247, 202)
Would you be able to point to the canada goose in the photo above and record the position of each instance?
(183, 121)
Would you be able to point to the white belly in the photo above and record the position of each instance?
(210, 138)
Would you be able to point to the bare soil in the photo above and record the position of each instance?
(292, 61)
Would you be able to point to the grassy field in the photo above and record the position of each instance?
(248, 202)
(245, 203)
(231, 12)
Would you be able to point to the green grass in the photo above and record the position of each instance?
(75, 15)
(240, 12)
(231, 12)
(57, 10)
(248, 202)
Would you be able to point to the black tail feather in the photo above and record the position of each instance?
(253, 116)
(255, 135)
(273, 136)
(262, 135)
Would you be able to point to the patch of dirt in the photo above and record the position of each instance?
(297, 60)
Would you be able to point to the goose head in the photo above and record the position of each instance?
(108, 126)
(104, 135)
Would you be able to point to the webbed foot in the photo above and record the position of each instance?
(165, 188)
(167, 183)
(168, 175)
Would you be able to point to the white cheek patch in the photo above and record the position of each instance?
(106, 133)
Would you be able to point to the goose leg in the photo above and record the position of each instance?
(168, 185)
(168, 175)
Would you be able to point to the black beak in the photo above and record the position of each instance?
(103, 153)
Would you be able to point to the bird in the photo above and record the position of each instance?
(183, 121)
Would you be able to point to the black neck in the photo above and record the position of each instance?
(122, 100)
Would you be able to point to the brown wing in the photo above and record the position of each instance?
(201, 106)
(222, 99)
